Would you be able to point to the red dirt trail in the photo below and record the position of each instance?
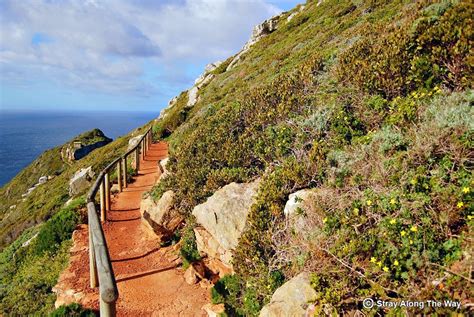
(148, 279)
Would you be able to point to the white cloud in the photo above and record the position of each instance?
(103, 45)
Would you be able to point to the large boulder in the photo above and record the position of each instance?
(294, 298)
(81, 181)
(223, 217)
(160, 216)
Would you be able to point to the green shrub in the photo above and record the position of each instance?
(189, 251)
(425, 51)
(59, 228)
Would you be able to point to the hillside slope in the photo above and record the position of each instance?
(368, 106)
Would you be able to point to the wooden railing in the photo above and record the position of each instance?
(100, 267)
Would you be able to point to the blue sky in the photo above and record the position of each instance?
(116, 54)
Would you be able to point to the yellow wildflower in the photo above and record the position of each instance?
(369, 202)
(393, 201)
(414, 229)
(411, 241)
(393, 221)
(403, 233)
(460, 204)
(413, 181)
(466, 190)
(470, 217)
(373, 259)
(379, 263)
(385, 269)
(356, 211)
(396, 263)
(325, 219)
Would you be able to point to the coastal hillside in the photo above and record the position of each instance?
(40, 209)
(323, 168)
(345, 129)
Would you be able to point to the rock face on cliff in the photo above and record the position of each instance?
(222, 219)
(160, 216)
(259, 31)
(81, 181)
(293, 298)
(83, 145)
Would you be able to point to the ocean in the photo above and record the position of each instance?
(25, 135)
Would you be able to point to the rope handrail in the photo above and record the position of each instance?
(100, 267)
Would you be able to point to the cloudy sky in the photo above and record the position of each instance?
(116, 54)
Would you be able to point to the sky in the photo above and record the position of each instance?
(124, 55)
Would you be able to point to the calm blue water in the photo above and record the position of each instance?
(25, 135)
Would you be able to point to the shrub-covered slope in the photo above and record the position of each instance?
(369, 104)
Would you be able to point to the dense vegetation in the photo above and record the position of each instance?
(370, 105)
(31, 265)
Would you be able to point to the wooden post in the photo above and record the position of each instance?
(92, 264)
(102, 201)
(119, 175)
(108, 291)
(137, 159)
(107, 309)
(107, 191)
(124, 172)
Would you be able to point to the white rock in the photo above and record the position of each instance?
(80, 181)
(293, 298)
(43, 179)
(161, 216)
(210, 67)
(192, 97)
(224, 216)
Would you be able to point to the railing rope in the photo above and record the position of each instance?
(100, 268)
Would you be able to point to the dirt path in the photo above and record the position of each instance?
(149, 281)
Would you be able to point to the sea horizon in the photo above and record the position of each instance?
(25, 133)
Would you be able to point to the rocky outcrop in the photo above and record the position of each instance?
(259, 31)
(222, 219)
(201, 81)
(163, 112)
(81, 181)
(192, 97)
(291, 16)
(83, 145)
(160, 216)
(294, 298)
